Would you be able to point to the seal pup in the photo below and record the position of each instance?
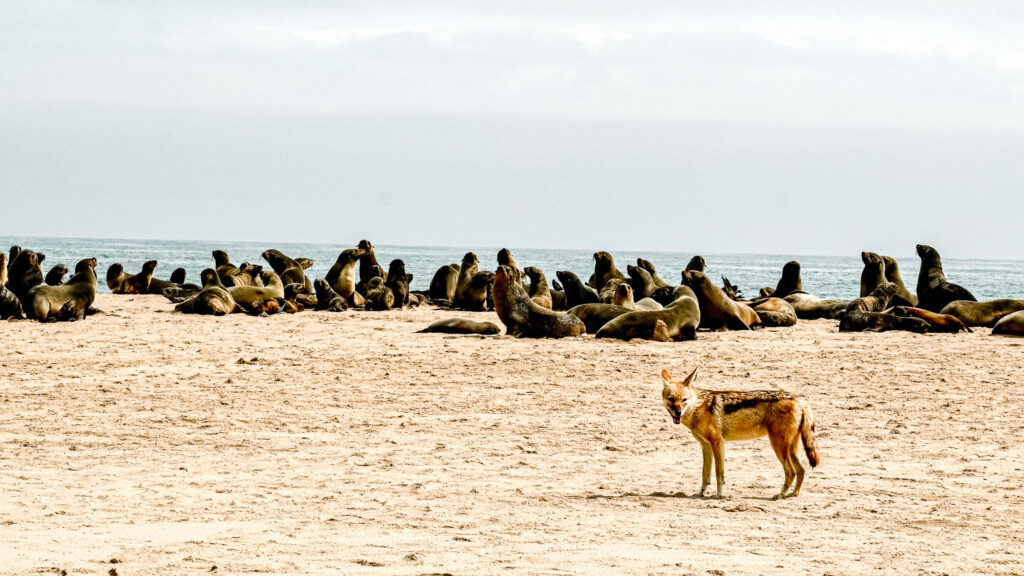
(70, 300)
(379, 296)
(1010, 325)
(790, 281)
(859, 321)
(398, 281)
(607, 294)
(623, 296)
(55, 277)
(903, 296)
(659, 282)
(717, 311)
(290, 271)
(731, 290)
(939, 322)
(260, 299)
(538, 290)
(680, 318)
(522, 317)
(473, 286)
(641, 282)
(873, 274)
(213, 299)
(576, 292)
(139, 283)
(933, 290)
(10, 305)
(877, 301)
(443, 284)
(342, 276)
(775, 312)
(327, 300)
(461, 326)
(982, 313)
(594, 316)
(605, 270)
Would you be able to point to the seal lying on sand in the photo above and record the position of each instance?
(877, 301)
(594, 315)
(982, 313)
(938, 322)
(677, 321)
(877, 322)
(775, 312)
(260, 299)
(462, 326)
(522, 317)
(718, 311)
(811, 307)
(903, 296)
(934, 292)
(212, 299)
(1010, 325)
(327, 300)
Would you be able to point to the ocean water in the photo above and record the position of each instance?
(827, 276)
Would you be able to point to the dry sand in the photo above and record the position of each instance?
(325, 443)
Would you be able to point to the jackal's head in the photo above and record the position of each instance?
(678, 396)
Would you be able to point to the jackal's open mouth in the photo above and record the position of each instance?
(676, 418)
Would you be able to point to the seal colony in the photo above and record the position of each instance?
(640, 304)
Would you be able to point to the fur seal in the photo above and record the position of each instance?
(306, 263)
(55, 277)
(327, 300)
(680, 318)
(505, 259)
(1010, 325)
(461, 326)
(982, 313)
(938, 322)
(648, 304)
(697, 263)
(539, 291)
(260, 299)
(903, 296)
(605, 270)
(115, 277)
(879, 322)
(659, 282)
(473, 285)
(139, 283)
(775, 312)
(398, 281)
(231, 275)
(290, 271)
(594, 316)
(10, 305)
(811, 307)
(70, 300)
(178, 276)
(623, 296)
(522, 317)
(731, 290)
(157, 286)
(342, 275)
(15, 250)
(933, 290)
(718, 311)
(877, 301)
(24, 274)
(873, 274)
(367, 261)
(576, 292)
(790, 281)
(212, 299)
(379, 296)
(641, 282)
(444, 283)
(607, 294)
(374, 271)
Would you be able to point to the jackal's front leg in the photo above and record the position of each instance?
(705, 475)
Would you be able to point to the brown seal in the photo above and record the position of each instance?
(939, 322)
(607, 294)
(461, 326)
(70, 300)
(522, 317)
(473, 285)
(398, 281)
(443, 284)
(379, 296)
(231, 275)
(594, 316)
(641, 282)
(212, 299)
(10, 305)
(659, 282)
(260, 299)
(903, 296)
(139, 283)
(178, 276)
(505, 259)
(290, 271)
(306, 263)
(327, 300)
(342, 275)
(873, 274)
(982, 313)
(879, 322)
(680, 320)
(775, 312)
(576, 292)
(116, 277)
(623, 296)
(877, 301)
(697, 263)
(367, 261)
(55, 277)
(811, 307)
(539, 291)
(1010, 325)
(718, 311)
(605, 270)
(790, 281)
(934, 292)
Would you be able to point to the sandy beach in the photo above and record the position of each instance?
(323, 443)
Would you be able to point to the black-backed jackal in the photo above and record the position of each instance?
(717, 416)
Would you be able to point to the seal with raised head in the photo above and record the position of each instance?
(939, 322)
(291, 272)
(879, 322)
(70, 300)
(538, 290)
(641, 282)
(505, 259)
(903, 296)
(398, 281)
(659, 282)
(678, 321)
(522, 317)
(1010, 325)
(594, 316)
(24, 274)
(55, 277)
(605, 270)
(718, 311)
(178, 276)
(877, 301)
(116, 277)
(230, 275)
(15, 250)
(443, 284)
(790, 281)
(327, 300)
(473, 285)
(873, 274)
(461, 326)
(623, 296)
(139, 283)
(934, 292)
(607, 294)
(342, 275)
(982, 313)
(697, 263)
(367, 260)
(213, 299)
(10, 305)
(378, 296)
(576, 292)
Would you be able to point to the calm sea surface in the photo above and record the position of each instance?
(826, 276)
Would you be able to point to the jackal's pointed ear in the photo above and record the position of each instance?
(665, 375)
(689, 379)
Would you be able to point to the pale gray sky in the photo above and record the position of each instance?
(718, 127)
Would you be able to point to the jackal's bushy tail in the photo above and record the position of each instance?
(807, 433)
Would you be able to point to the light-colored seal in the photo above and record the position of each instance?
(903, 296)
(260, 299)
(70, 300)
(342, 275)
(1010, 325)
(522, 317)
(538, 290)
(623, 296)
(811, 307)
(462, 326)
(213, 299)
(775, 312)
(680, 320)
(594, 315)
(982, 313)
(718, 311)
(934, 292)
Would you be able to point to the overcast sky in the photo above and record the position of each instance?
(799, 128)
